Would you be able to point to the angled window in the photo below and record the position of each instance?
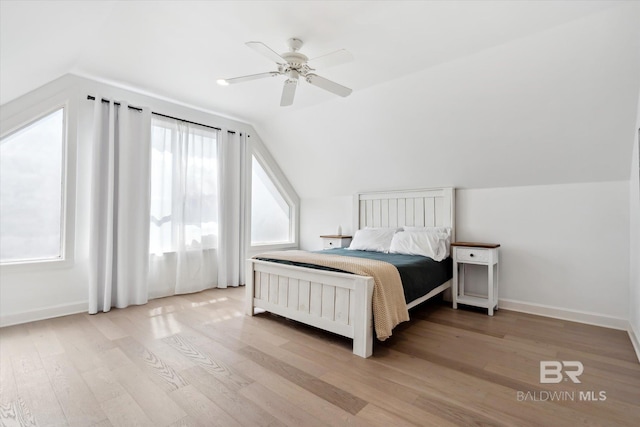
(32, 182)
(271, 213)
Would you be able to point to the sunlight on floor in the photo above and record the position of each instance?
(164, 326)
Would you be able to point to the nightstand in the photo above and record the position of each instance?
(335, 241)
(478, 254)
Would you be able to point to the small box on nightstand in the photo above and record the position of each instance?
(335, 241)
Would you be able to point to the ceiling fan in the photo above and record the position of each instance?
(294, 65)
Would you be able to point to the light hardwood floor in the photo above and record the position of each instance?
(198, 360)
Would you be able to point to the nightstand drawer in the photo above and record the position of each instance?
(336, 243)
(472, 255)
(332, 243)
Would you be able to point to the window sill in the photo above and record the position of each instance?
(173, 253)
(256, 249)
(36, 266)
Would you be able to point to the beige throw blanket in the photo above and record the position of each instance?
(389, 305)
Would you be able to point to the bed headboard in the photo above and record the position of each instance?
(433, 207)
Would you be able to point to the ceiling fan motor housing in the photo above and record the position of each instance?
(294, 44)
(295, 61)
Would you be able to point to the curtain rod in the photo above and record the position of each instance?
(93, 98)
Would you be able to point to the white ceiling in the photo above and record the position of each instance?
(518, 55)
(178, 49)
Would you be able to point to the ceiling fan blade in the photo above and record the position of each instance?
(266, 51)
(227, 82)
(288, 92)
(331, 59)
(328, 85)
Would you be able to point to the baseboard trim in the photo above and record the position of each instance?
(44, 313)
(634, 340)
(566, 314)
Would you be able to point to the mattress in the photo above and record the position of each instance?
(419, 274)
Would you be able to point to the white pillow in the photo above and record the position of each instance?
(442, 233)
(432, 229)
(433, 244)
(372, 239)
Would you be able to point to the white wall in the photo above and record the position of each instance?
(321, 216)
(36, 292)
(564, 247)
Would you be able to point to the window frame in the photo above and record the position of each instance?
(284, 196)
(257, 150)
(27, 117)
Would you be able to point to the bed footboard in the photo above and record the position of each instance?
(336, 302)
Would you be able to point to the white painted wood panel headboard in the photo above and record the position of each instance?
(433, 207)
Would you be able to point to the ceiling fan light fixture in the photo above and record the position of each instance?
(293, 75)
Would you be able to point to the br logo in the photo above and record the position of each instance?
(551, 371)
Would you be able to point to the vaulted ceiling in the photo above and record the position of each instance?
(462, 93)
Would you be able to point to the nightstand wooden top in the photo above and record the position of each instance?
(477, 244)
(336, 236)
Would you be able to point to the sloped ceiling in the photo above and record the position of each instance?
(470, 94)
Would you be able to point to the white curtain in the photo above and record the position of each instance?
(119, 230)
(184, 208)
(232, 210)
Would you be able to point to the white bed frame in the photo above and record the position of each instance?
(341, 302)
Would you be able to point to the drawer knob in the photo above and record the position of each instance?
(471, 255)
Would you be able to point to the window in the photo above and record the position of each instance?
(270, 212)
(31, 191)
(184, 187)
